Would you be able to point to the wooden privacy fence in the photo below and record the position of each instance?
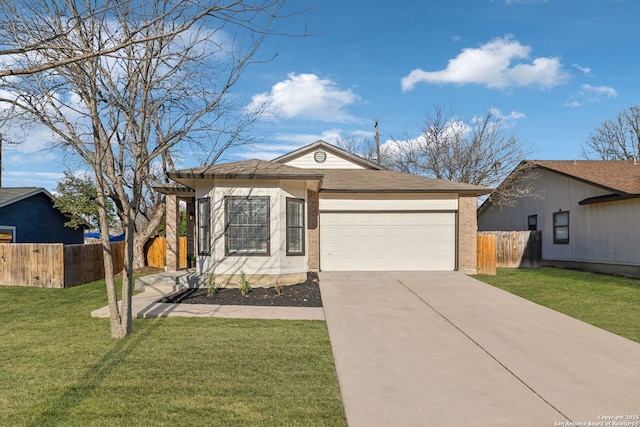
(156, 252)
(512, 249)
(84, 263)
(486, 255)
(54, 265)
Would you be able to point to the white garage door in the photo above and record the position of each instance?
(381, 241)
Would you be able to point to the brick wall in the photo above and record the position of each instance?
(467, 234)
(313, 230)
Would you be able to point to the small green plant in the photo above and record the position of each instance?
(212, 287)
(244, 285)
(278, 287)
(191, 260)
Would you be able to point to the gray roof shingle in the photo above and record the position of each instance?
(372, 181)
(9, 195)
(247, 169)
(335, 180)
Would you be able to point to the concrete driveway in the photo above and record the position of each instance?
(441, 348)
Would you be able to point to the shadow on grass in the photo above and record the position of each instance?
(60, 408)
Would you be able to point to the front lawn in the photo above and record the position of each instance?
(59, 367)
(608, 302)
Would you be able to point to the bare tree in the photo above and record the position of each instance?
(366, 147)
(481, 151)
(617, 139)
(124, 86)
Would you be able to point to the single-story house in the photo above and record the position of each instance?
(587, 210)
(321, 208)
(27, 215)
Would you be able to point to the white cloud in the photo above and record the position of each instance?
(30, 159)
(363, 133)
(306, 96)
(47, 180)
(36, 175)
(267, 151)
(590, 94)
(585, 70)
(508, 119)
(494, 65)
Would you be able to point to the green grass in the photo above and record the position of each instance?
(608, 302)
(59, 367)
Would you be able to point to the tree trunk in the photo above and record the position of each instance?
(118, 324)
(139, 256)
(142, 236)
(127, 279)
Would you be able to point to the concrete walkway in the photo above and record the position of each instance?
(144, 305)
(441, 348)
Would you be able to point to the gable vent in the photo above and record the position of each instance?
(319, 156)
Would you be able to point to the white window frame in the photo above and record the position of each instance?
(267, 227)
(290, 227)
(204, 226)
(12, 229)
(556, 227)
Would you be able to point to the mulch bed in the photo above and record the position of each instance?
(306, 294)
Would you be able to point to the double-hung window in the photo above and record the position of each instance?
(204, 226)
(247, 225)
(533, 222)
(561, 227)
(295, 227)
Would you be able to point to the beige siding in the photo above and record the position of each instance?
(332, 162)
(278, 263)
(386, 202)
(599, 233)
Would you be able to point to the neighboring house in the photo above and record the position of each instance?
(27, 215)
(322, 208)
(587, 210)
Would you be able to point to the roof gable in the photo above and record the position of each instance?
(322, 155)
(10, 195)
(619, 176)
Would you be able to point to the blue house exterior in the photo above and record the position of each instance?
(27, 215)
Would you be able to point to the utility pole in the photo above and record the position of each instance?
(377, 143)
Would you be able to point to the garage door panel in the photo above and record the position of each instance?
(387, 241)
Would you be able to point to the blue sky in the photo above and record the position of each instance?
(555, 70)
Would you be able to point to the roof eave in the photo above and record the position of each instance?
(178, 191)
(176, 176)
(606, 198)
(577, 178)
